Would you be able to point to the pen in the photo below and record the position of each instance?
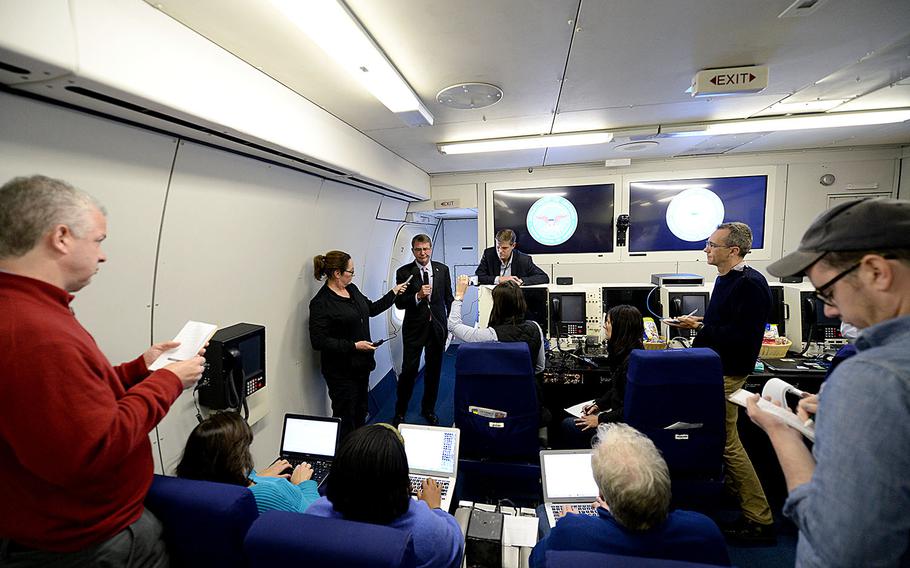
(692, 313)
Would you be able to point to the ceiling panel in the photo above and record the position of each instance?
(626, 63)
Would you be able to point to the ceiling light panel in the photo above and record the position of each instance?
(525, 142)
(332, 26)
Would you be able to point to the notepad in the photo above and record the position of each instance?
(790, 419)
(193, 336)
(578, 409)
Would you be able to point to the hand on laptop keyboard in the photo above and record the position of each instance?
(277, 469)
(430, 493)
(301, 473)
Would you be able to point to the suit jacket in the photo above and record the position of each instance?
(416, 314)
(522, 266)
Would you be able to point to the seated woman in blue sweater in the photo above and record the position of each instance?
(218, 449)
(369, 483)
(624, 329)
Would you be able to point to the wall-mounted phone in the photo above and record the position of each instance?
(234, 367)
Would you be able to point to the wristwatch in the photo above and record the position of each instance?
(700, 325)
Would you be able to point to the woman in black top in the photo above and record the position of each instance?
(340, 330)
(624, 331)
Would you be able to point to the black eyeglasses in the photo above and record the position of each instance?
(351, 272)
(824, 292)
(709, 244)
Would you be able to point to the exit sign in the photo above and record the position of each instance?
(729, 81)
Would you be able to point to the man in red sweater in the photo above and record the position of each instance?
(75, 456)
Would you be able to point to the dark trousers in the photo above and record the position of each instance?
(349, 400)
(571, 436)
(138, 545)
(432, 348)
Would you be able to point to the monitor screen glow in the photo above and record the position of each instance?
(680, 215)
(557, 220)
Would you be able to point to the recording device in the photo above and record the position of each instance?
(483, 539)
(564, 280)
(378, 343)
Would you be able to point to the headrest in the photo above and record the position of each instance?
(493, 358)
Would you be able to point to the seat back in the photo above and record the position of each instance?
(497, 377)
(279, 538)
(676, 398)
(204, 522)
(576, 558)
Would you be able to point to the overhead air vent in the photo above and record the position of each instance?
(801, 8)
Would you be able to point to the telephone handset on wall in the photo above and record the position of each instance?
(234, 385)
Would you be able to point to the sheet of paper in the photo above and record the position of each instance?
(576, 410)
(192, 337)
(519, 531)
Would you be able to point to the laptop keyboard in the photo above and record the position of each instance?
(417, 481)
(320, 468)
(580, 508)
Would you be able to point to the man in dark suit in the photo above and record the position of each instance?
(503, 263)
(426, 304)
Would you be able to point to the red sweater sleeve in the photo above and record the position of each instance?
(131, 372)
(74, 418)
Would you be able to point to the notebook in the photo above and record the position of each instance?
(432, 452)
(310, 439)
(567, 479)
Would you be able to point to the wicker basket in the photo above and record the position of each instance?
(775, 351)
(656, 345)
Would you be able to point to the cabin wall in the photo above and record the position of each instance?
(204, 234)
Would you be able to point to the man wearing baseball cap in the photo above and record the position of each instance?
(850, 497)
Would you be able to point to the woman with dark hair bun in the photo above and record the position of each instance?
(340, 330)
(369, 483)
(218, 449)
(624, 331)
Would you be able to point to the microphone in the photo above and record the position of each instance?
(426, 282)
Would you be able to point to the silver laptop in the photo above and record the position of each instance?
(310, 439)
(567, 480)
(432, 452)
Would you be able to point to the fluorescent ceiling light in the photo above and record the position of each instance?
(804, 122)
(332, 26)
(525, 142)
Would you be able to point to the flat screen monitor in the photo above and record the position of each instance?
(557, 220)
(695, 304)
(636, 297)
(536, 299)
(680, 215)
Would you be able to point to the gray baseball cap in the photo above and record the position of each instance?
(863, 224)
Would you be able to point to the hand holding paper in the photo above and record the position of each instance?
(188, 343)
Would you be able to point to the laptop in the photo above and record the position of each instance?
(310, 439)
(567, 479)
(432, 452)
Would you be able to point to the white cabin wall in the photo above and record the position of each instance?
(238, 237)
(797, 198)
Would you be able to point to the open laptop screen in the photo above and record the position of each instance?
(430, 450)
(308, 436)
(569, 475)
